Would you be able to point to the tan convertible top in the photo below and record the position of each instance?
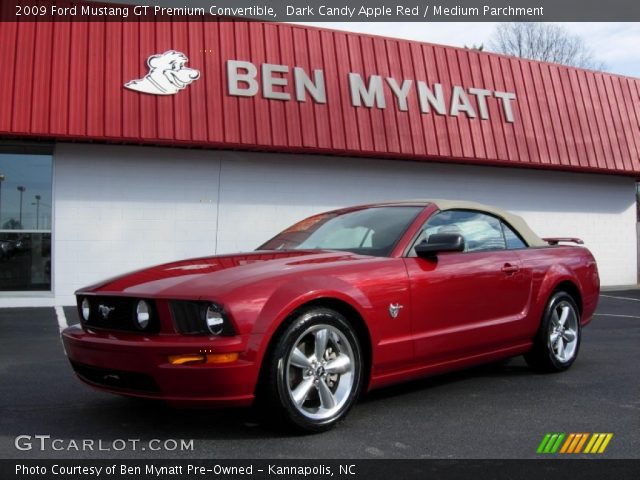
(515, 221)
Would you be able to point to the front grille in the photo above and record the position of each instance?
(132, 381)
(189, 316)
(117, 313)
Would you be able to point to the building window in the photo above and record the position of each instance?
(25, 222)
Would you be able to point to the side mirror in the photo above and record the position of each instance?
(440, 242)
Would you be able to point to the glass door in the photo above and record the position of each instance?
(25, 222)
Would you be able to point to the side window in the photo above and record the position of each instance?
(480, 231)
(512, 238)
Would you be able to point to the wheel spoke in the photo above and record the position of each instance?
(299, 359)
(558, 341)
(564, 315)
(560, 345)
(554, 337)
(341, 364)
(320, 346)
(569, 335)
(554, 319)
(326, 397)
(302, 390)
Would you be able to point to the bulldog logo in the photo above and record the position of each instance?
(167, 74)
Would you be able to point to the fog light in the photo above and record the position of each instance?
(86, 309)
(189, 358)
(143, 314)
(214, 319)
(222, 357)
(195, 358)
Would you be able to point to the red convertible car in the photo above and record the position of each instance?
(338, 304)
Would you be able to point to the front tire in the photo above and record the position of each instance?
(557, 342)
(315, 371)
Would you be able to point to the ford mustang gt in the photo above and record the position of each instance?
(336, 305)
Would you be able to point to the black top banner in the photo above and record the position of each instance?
(326, 10)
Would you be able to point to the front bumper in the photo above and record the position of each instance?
(137, 365)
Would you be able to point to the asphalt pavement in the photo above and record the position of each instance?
(495, 411)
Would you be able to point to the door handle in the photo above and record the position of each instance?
(510, 269)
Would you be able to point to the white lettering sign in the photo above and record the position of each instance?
(367, 94)
(242, 78)
(277, 82)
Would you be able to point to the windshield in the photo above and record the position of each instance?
(367, 231)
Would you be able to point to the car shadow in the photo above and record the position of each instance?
(156, 419)
(249, 422)
(82, 412)
(500, 369)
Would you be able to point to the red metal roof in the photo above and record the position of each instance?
(64, 80)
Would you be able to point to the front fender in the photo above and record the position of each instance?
(293, 294)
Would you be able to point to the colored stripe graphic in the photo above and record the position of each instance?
(550, 443)
(604, 445)
(577, 441)
(581, 443)
(598, 443)
(556, 445)
(543, 443)
(573, 443)
(565, 447)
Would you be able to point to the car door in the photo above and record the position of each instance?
(470, 302)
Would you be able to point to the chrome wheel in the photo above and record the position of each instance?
(320, 372)
(563, 331)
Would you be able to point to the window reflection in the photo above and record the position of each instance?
(25, 222)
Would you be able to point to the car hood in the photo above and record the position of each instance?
(199, 277)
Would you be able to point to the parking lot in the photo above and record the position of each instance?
(496, 411)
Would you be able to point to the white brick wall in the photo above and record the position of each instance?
(120, 208)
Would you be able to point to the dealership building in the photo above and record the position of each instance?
(125, 144)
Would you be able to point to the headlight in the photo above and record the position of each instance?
(200, 318)
(143, 314)
(214, 320)
(86, 309)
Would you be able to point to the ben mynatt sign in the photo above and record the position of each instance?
(274, 81)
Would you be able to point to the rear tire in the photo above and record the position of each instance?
(314, 373)
(557, 342)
